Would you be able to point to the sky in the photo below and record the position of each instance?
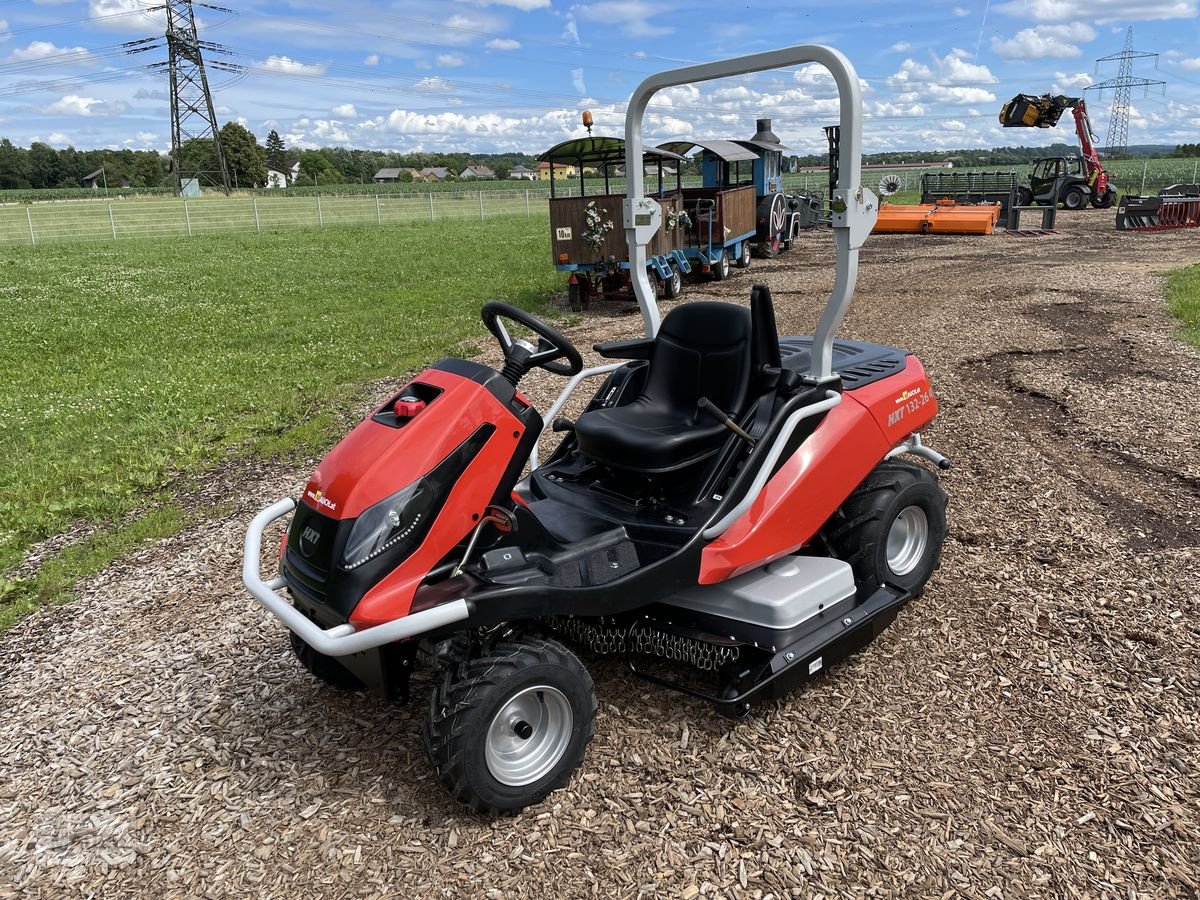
(490, 76)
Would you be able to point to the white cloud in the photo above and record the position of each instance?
(631, 16)
(150, 94)
(450, 60)
(345, 111)
(372, 60)
(327, 131)
(434, 84)
(3, 28)
(126, 15)
(900, 47)
(1190, 65)
(58, 139)
(950, 80)
(43, 50)
(571, 29)
(577, 81)
(503, 44)
(961, 11)
(1045, 42)
(74, 105)
(1065, 82)
(289, 66)
(146, 136)
(1102, 11)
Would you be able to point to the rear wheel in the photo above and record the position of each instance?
(673, 284)
(891, 529)
(324, 668)
(1105, 200)
(1024, 197)
(743, 260)
(720, 269)
(507, 728)
(1075, 198)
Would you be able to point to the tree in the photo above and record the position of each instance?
(316, 168)
(45, 167)
(276, 152)
(14, 166)
(244, 159)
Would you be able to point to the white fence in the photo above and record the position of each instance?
(91, 220)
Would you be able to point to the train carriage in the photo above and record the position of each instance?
(586, 237)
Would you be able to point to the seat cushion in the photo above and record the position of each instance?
(646, 439)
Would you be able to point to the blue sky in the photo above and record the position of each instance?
(512, 75)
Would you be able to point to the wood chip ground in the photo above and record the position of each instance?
(1028, 728)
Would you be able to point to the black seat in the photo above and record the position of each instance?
(703, 349)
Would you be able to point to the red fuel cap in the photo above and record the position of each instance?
(406, 409)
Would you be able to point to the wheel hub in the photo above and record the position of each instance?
(528, 735)
(907, 540)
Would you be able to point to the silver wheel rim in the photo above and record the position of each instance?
(907, 539)
(529, 735)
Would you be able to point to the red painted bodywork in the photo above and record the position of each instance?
(852, 439)
(375, 460)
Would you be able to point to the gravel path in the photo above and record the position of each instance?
(1027, 728)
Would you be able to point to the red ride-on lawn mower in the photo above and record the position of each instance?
(729, 512)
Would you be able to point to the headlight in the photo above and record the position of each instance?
(402, 516)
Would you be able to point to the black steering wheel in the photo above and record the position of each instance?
(520, 356)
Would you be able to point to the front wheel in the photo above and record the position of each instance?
(1105, 200)
(1024, 197)
(891, 529)
(1075, 199)
(509, 727)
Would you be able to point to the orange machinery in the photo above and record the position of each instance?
(943, 217)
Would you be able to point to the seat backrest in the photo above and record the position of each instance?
(702, 350)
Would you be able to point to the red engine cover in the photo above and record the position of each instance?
(854, 436)
(376, 460)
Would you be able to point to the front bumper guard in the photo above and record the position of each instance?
(341, 640)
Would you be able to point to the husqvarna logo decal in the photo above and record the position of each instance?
(320, 499)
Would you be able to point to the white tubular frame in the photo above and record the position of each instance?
(854, 208)
(558, 404)
(341, 640)
(718, 528)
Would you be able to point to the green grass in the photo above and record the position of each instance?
(134, 367)
(1183, 300)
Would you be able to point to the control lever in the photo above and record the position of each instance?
(715, 411)
(561, 424)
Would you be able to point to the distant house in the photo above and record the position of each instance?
(387, 176)
(477, 172)
(543, 172)
(277, 179)
(520, 173)
(434, 173)
(294, 172)
(652, 169)
(95, 179)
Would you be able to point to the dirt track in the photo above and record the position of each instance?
(1030, 727)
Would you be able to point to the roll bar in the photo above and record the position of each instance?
(852, 206)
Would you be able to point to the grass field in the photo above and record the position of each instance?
(1183, 299)
(138, 365)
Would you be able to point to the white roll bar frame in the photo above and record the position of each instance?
(854, 208)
